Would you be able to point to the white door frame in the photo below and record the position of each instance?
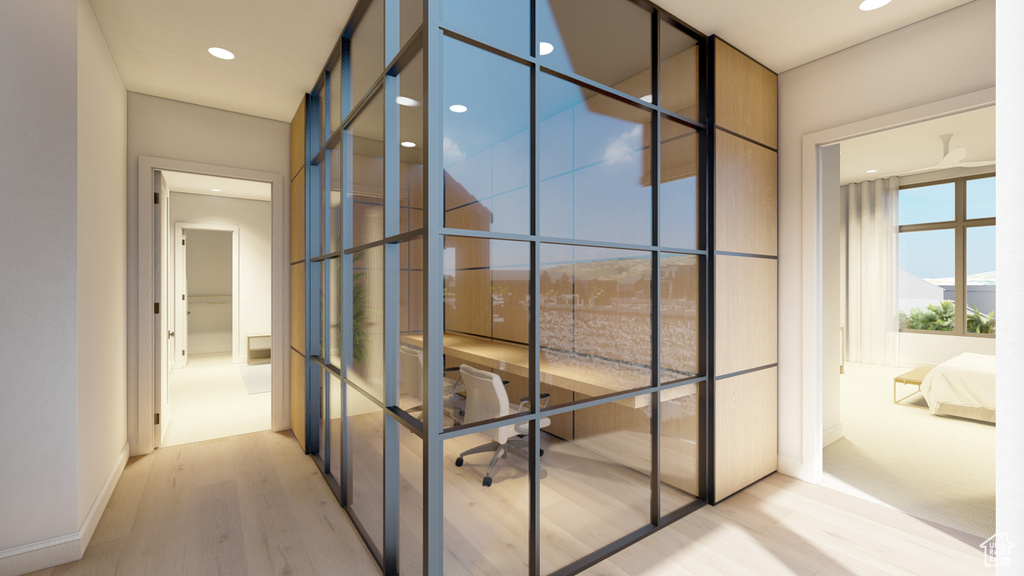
(141, 414)
(811, 466)
(237, 348)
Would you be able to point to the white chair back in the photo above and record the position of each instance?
(410, 372)
(485, 399)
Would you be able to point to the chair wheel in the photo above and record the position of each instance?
(458, 461)
(541, 451)
(487, 480)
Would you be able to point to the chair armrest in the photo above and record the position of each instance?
(525, 401)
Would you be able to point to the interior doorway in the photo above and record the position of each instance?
(216, 281)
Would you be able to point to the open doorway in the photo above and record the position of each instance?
(906, 215)
(217, 279)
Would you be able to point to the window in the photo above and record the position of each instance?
(947, 243)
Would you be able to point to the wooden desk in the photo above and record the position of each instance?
(582, 374)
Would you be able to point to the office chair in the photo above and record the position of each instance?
(412, 383)
(485, 399)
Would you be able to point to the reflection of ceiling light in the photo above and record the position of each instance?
(408, 144)
(221, 53)
(872, 171)
(868, 5)
(545, 48)
(403, 101)
(215, 190)
(458, 108)
(649, 98)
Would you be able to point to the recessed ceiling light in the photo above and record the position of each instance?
(403, 101)
(408, 144)
(872, 171)
(221, 53)
(545, 48)
(215, 189)
(458, 108)
(868, 5)
(649, 98)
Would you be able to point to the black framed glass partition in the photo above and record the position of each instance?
(507, 292)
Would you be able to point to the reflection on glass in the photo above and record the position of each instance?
(680, 78)
(486, 528)
(593, 164)
(595, 318)
(410, 136)
(680, 454)
(410, 502)
(367, 330)
(335, 104)
(334, 213)
(318, 381)
(320, 104)
(336, 306)
(680, 317)
(367, 47)
(981, 198)
(335, 416)
(409, 20)
(923, 204)
(598, 484)
(410, 325)
(364, 426)
(486, 140)
(607, 41)
(504, 24)
(365, 139)
(317, 275)
(679, 209)
(981, 280)
(927, 280)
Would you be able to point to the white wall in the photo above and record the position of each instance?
(209, 274)
(102, 267)
(252, 217)
(38, 300)
(949, 55)
(174, 130)
(932, 349)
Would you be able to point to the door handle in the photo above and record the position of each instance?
(170, 333)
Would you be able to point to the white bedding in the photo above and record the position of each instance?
(964, 386)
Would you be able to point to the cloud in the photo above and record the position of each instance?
(623, 146)
(452, 153)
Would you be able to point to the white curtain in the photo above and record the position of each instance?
(870, 271)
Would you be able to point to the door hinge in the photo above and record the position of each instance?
(182, 241)
(182, 352)
(156, 307)
(156, 197)
(156, 419)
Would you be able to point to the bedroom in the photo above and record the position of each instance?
(912, 421)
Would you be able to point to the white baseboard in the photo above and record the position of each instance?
(796, 469)
(832, 434)
(63, 549)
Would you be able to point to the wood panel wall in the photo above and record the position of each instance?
(746, 270)
(297, 256)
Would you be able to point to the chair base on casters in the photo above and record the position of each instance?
(518, 446)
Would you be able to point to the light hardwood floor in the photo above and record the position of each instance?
(254, 504)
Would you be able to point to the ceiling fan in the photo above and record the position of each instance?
(952, 158)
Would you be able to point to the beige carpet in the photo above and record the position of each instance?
(940, 469)
(207, 399)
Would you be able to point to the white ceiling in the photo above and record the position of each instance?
(160, 46)
(918, 148)
(217, 186)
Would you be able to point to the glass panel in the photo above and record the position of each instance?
(486, 307)
(679, 211)
(318, 381)
(367, 330)
(410, 135)
(317, 276)
(486, 140)
(593, 164)
(681, 356)
(501, 23)
(486, 525)
(336, 307)
(364, 424)
(334, 199)
(680, 453)
(366, 149)
(410, 326)
(410, 19)
(595, 319)
(319, 114)
(608, 41)
(935, 203)
(335, 97)
(680, 75)
(410, 502)
(927, 280)
(334, 394)
(598, 484)
(981, 198)
(367, 49)
(981, 280)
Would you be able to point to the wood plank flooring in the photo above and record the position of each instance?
(254, 504)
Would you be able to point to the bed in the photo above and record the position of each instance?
(964, 386)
